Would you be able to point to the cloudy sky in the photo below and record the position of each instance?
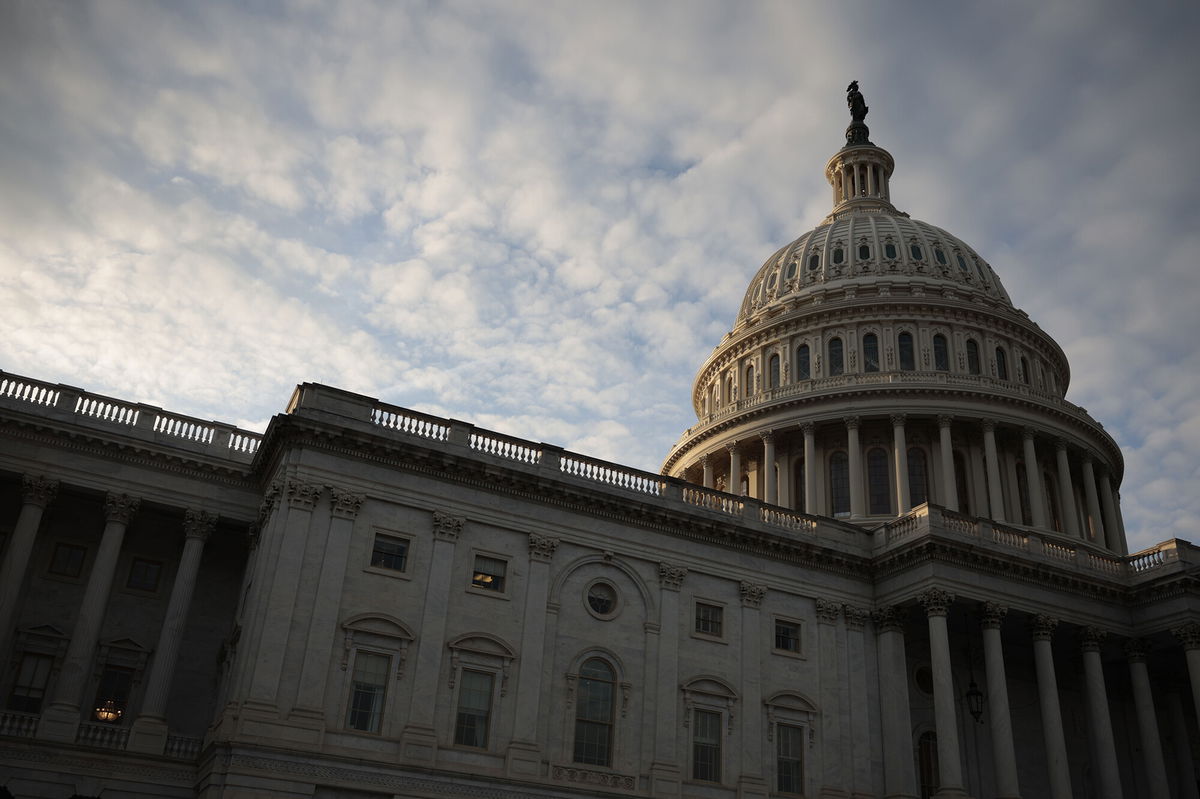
(541, 216)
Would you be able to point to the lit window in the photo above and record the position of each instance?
(594, 714)
(871, 352)
(839, 255)
(972, 357)
(368, 688)
(489, 573)
(789, 758)
(839, 483)
(602, 599)
(474, 709)
(941, 353)
(773, 372)
(889, 250)
(915, 250)
(918, 477)
(787, 636)
(1001, 364)
(143, 575)
(115, 684)
(708, 619)
(803, 362)
(389, 552)
(706, 746)
(67, 560)
(29, 689)
(837, 363)
(908, 360)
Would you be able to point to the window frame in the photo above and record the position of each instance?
(798, 624)
(793, 711)
(870, 348)
(46, 659)
(708, 604)
(84, 550)
(942, 363)
(711, 695)
(803, 361)
(486, 654)
(878, 486)
(378, 714)
(409, 544)
(378, 634)
(906, 351)
(974, 366)
(489, 711)
(837, 481)
(480, 589)
(580, 686)
(158, 578)
(836, 366)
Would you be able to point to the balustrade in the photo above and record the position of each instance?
(17, 725)
(102, 736)
(182, 747)
(612, 474)
(413, 423)
(503, 446)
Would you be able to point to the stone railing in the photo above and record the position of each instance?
(506, 447)
(102, 736)
(414, 423)
(17, 725)
(182, 747)
(611, 474)
(137, 420)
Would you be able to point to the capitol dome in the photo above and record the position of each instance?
(877, 363)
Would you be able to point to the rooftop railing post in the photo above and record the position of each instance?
(460, 433)
(551, 458)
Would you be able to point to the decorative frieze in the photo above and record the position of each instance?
(38, 490)
(198, 523)
(992, 615)
(936, 601)
(752, 595)
(828, 612)
(856, 617)
(602, 779)
(120, 507)
(447, 527)
(1188, 635)
(1042, 627)
(542, 547)
(1092, 638)
(345, 504)
(671, 577)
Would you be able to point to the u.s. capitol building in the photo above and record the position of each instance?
(887, 561)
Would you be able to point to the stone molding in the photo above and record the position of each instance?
(38, 490)
(767, 436)
(269, 502)
(889, 619)
(300, 495)
(1092, 638)
(936, 602)
(752, 595)
(1136, 650)
(1188, 635)
(828, 612)
(447, 527)
(670, 577)
(856, 617)
(1042, 627)
(991, 616)
(343, 504)
(120, 507)
(603, 779)
(198, 523)
(542, 547)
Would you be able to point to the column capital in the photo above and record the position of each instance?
(1027, 433)
(945, 419)
(1136, 649)
(1188, 635)
(992, 615)
(1042, 627)
(752, 595)
(670, 576)
(767, 436)
(1060, 445)
(120, 507)
(936, 601)
(542, 547)
(898, 419)
(301, 495)
(38, 489)
(731, 447)
(1092, 638)
(828, 612)
(988, 425)
(344, 504)
(856, 617)
(705, 459)
(447, 527)
(889, 619)
(852, 422)
(198, 523)
(808, 428)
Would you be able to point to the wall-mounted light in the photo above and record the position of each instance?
(975, 701)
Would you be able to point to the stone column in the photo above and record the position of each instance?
(664, 771)
(1108, 778)
(60, 721)
(149, 731)
(1108, 507)
(1056, 746)
(1093, 502)
(706, 460)
(524, 757)
(1066, 491)
(735, 469)
(1143, 702)
(833, 740)
(860, 698)
(992, 464)
(1004, 756)
(949, 489)
(770, 478)
(811, 506)
(751, 780)
(36, 494)
(785, 480)
(900, 455)
(899, 774)
(418, 740)
(937, 605)
(1189, 636)
(858, 507)
(1033, 480)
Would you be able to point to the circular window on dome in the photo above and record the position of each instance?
(602, 600)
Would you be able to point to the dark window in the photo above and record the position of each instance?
(489, 573)
(879, 494)
(29, 689)
(474, 709)
(889, 250)
(1001, 364)
(800, 493)
(143, 575)
(814, 261)
(864, 252)
(941, 354)
(791, 270)
(915, 250)
(594, 714)
(803, 363)
(837, 363)
(939, 255)
(962, 263)
(706, 746)
(839, 255)
(749, 389)
(1024, 371)
(602, 598)
(773, 372)
(1051, 494)
(787, 635)
(918, 477)
(67, 560)
(871, 352)
(789, 758)
(390, 553)
(839, 483)
(908, 360)
(927, 764)
(115, 683)
(367, 690)
(709, 619)
(972, 357)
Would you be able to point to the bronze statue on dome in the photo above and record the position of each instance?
(854, 99)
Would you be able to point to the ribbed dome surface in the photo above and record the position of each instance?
(868, 248)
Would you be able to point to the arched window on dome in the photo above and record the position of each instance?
(916, 252)
(864, 252)
(1024, 370)
(594, 713)
(918, 477)
(837, 361)
(879, 489)
(839, 483)
(889, 250)
(773, 372)
(941, 353)
(972, 357)
(749, 389)
(1001, 364)
(962, 262)
(908, 359)
(871, 353)
(791, 270)
(940, 255)
(839, 255)
(814, 261)
(803, 362)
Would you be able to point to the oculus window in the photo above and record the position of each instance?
(602, 599)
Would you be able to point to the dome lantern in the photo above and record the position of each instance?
(860, 171)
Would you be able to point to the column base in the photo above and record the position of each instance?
(665, 779)
(418, 744)
(523, 759)
(752, 788)
(148, 735)
(59, 722)
(951, 793)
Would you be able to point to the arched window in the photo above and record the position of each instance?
(914, 250)
(837, 363)
(864, 252)
(927, 764)
(791, 270)
(972, 357)
(879, 493)
(839, 483)
(960, 483)
(940, 255)
(839, 255)
(803, 363)
(594, 713)
(729, 397)
(814, 261)
(962, 264)
(1024, 370)
(1001, 364)
(918, 477)
(908, 360)
(889, 250)
(773, 372)
(871, 353)
(941, 354)
(749, 389)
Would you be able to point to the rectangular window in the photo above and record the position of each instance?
(706, 746)
(489, 573)
(115, 685)
(474, 709)
(143, 575)
(368, 688)
(789, 758)
(787, 636)
(708, 619)
(390, 553)
(67, 560)
(30, 687)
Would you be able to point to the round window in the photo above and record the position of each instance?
(602, 600)
(923, 677)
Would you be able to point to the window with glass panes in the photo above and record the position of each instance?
(789, 758)
(67, 560)
(594, 714)
(836, 360)
(941, 353)
(143, 575)
(29, 689)
(389, 552)
(918, 477)
(474, 709)
(803, 359)
(489, 573)
(368, 688)
(908, 358)
(871, 353)
(708, 619)
(839, 483)
(787, 635)
(115, 685)
(879, 489)
(706, 745)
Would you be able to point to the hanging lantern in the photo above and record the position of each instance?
(108, 712)
(975, 701)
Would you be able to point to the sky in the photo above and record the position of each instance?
(540, 217)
